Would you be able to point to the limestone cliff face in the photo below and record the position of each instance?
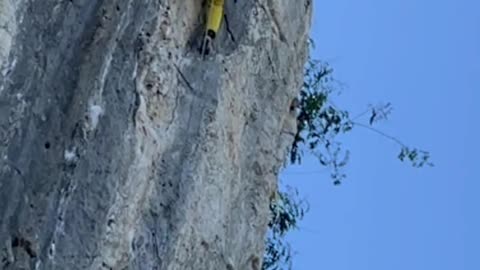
(120, 148)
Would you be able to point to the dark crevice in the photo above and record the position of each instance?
(26, 245)
(184, 78)
(229, 31)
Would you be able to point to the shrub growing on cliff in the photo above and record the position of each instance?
(319, 122)
(285, 211)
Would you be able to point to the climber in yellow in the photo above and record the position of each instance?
(214, 20)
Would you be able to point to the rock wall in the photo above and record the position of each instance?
(121, 148)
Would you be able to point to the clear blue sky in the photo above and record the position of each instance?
(424, 57)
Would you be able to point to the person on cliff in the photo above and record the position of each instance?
(214, 20)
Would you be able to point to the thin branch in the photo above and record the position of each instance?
(361, 114)
(380, 133)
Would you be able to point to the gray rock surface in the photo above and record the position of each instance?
(120, 148)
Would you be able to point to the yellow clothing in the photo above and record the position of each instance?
(215, 15)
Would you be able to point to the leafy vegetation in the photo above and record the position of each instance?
(286, 211)
(319, 122)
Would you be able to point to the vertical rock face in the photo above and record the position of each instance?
(121, 148)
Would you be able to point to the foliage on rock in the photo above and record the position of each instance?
(319, 122)
(286, 211)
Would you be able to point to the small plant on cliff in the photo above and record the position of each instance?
(286, 210)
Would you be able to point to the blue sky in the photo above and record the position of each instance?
(424, 58)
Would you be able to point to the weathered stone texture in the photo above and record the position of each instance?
(120, 148)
